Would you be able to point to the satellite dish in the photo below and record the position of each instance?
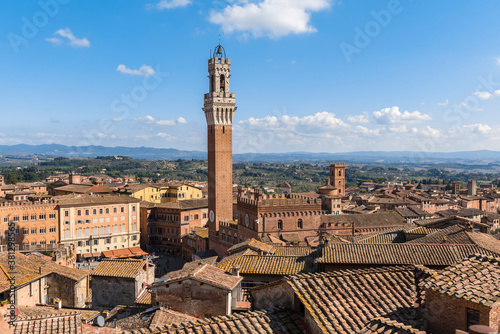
(100, 321)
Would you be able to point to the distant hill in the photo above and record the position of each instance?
(149, 153)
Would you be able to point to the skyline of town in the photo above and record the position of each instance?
(334, 77)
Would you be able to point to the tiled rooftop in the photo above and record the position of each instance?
(366, 220)
(399, 254)
(474, 279)
(203, 272)
(28, 269)
(387, 326)
(125, 268)
(251, 244)
(55, 324)
(188, 204)
(270, 264)
(265, 321)
(347, 301)
(49, 311)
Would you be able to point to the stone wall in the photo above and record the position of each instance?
(192, 297)
(107, 292)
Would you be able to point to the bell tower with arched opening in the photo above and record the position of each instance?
(219, 108)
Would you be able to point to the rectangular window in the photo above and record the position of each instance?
(80, 244)
(15, 219)
(87, 231)
(107, 210)
(6, 220)
(87, 243)
(52, 242)
(94, 220)
(122, 209)
(196, 217)
(134, 217)
(100, 211)
(134, 237)
(42, 230)
(472, 317)
(66, 234)
(79, 233)
(33, 231)
(122, 218)
(33, 217)
(123, 228)
(66, 213)
(115, 229)
(101, 230)
(107, 229)
(107, 220)
(25, 231)
(52, 216)
(25, 218)
(133, 208)
(52, 230)
(96, 242)
(108, 241)
(115, 210)
(86, 212)
(134, 227)
(87, 221)
(95, 230)
(115, 219)
(78, 212)
(94, 211)
(42, 217)
(79, 221)
(186, 218)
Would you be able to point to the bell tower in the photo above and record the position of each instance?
(337, 177)
(219, 108)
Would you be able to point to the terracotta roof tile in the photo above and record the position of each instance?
(54, 324)
(399, 254)
(270, 264)
(125, 268)
(475, 279)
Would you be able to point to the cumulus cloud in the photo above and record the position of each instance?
(272, 18)
(358, 119)
(430, 132)
(319, 120)
(69, 37)
(144, 70)
(483, 95)
(162, 122)
(498, 60)
(394, 116)
(364, 130)
(399, 129)
(445, 103)
(116, 119)
(477, 128)
(165, 136)
(170, 4)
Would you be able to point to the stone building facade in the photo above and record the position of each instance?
(119, 282)
(99, 223)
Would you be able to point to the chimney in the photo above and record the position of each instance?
(57, 303)
(40, 270)
(235, 271)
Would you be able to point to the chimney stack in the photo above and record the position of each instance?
(235, 271)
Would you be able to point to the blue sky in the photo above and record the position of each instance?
(316, 75)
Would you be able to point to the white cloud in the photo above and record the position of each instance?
(366, 131)
(170, 4)
(445, 103)
(477, 128)
(483, 95)
(394, 116)
(319, 120)
(400, 129)
(430, 132)
(144, 70)
(497, 92)
(71, 39)
(166, 136)
(167, 122)
(498, 60)
(143, 137)
(117, 119)
(358, 119)
(272, 18)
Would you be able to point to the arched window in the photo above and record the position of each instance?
(299, 223)
(235, 239)
(212, 83)
(340, 173)
(222, 83)
(280, 224)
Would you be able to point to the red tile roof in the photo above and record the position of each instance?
(125, 268)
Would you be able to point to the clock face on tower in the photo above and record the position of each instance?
(247, 220)
(212, 216)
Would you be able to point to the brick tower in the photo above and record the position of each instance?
(337, 177)
(219, 108)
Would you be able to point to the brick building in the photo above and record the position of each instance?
(168, 222)
(464, 294)
(219, 108)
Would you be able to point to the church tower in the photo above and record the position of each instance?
(219, 108)
(337, 177)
